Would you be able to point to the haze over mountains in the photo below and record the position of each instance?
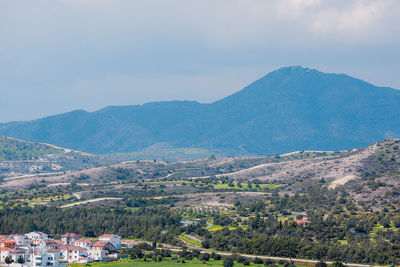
(293, 108)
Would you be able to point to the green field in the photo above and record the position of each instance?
(190, 241)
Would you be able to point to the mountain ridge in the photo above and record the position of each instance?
(292, 108)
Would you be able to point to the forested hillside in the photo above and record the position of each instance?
(13, 149)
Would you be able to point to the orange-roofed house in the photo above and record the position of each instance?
(84, 243)
(69, 238)
(303, 222)
(7, 243)
(113, 239)
(13, 253)
(21, 240)
(72, 253)
(100, 250)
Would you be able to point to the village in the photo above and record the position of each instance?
(37, 249)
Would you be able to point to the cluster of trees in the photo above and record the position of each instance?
(155, 224)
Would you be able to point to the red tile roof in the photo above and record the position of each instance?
(106, 235)
(71, 235)
(100, 243)
(84, 240)
(7, 241)
(68, 247)
(302, 221)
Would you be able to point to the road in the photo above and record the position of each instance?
(89, 201)
(298, 261)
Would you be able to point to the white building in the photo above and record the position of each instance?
(43, 257)
(20, 240)
(73, 254)
(36, 237)
(13, 253)
(70, 238)
(113, 239)
(83, 243)
(100, 250)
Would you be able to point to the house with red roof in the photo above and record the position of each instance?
(21, 240)
(13, 253)
(73, 254)
(303, 222)
(84, 243)
(100, 250)
(50, 244)
(7, 243)
(113, 239)
(70, 238)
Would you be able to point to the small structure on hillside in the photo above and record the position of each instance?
(303, 222)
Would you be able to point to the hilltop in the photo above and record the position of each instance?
(21, 158)
(289, 109)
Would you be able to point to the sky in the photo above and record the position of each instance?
(61, 55)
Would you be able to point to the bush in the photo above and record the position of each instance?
(228, 262)
(217, 257)
(205, 257)
(258, 261)
(205, 244)
(291, 264)
(269, 263)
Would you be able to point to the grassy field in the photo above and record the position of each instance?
(219, 227)
(190, 241)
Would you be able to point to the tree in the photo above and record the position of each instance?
(8, 260)
(249, 185)
(321, 263)
(205, 257)
(20, 260)
(205, 244)
(228, 262)
(337, 264)
(258, 261)
(217, 257)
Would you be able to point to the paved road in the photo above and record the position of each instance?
(90, 200)
(202, 250)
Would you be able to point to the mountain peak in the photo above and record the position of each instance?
(294, 69)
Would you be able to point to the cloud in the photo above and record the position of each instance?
(52, 50)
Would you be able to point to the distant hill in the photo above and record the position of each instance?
(22, 158)
(293, 108)
(13, 149)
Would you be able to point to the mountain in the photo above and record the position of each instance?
(292, 108)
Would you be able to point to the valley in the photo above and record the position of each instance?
(242, 204)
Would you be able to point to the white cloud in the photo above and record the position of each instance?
(174, 48)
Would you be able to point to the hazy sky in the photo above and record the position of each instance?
(60, 55)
